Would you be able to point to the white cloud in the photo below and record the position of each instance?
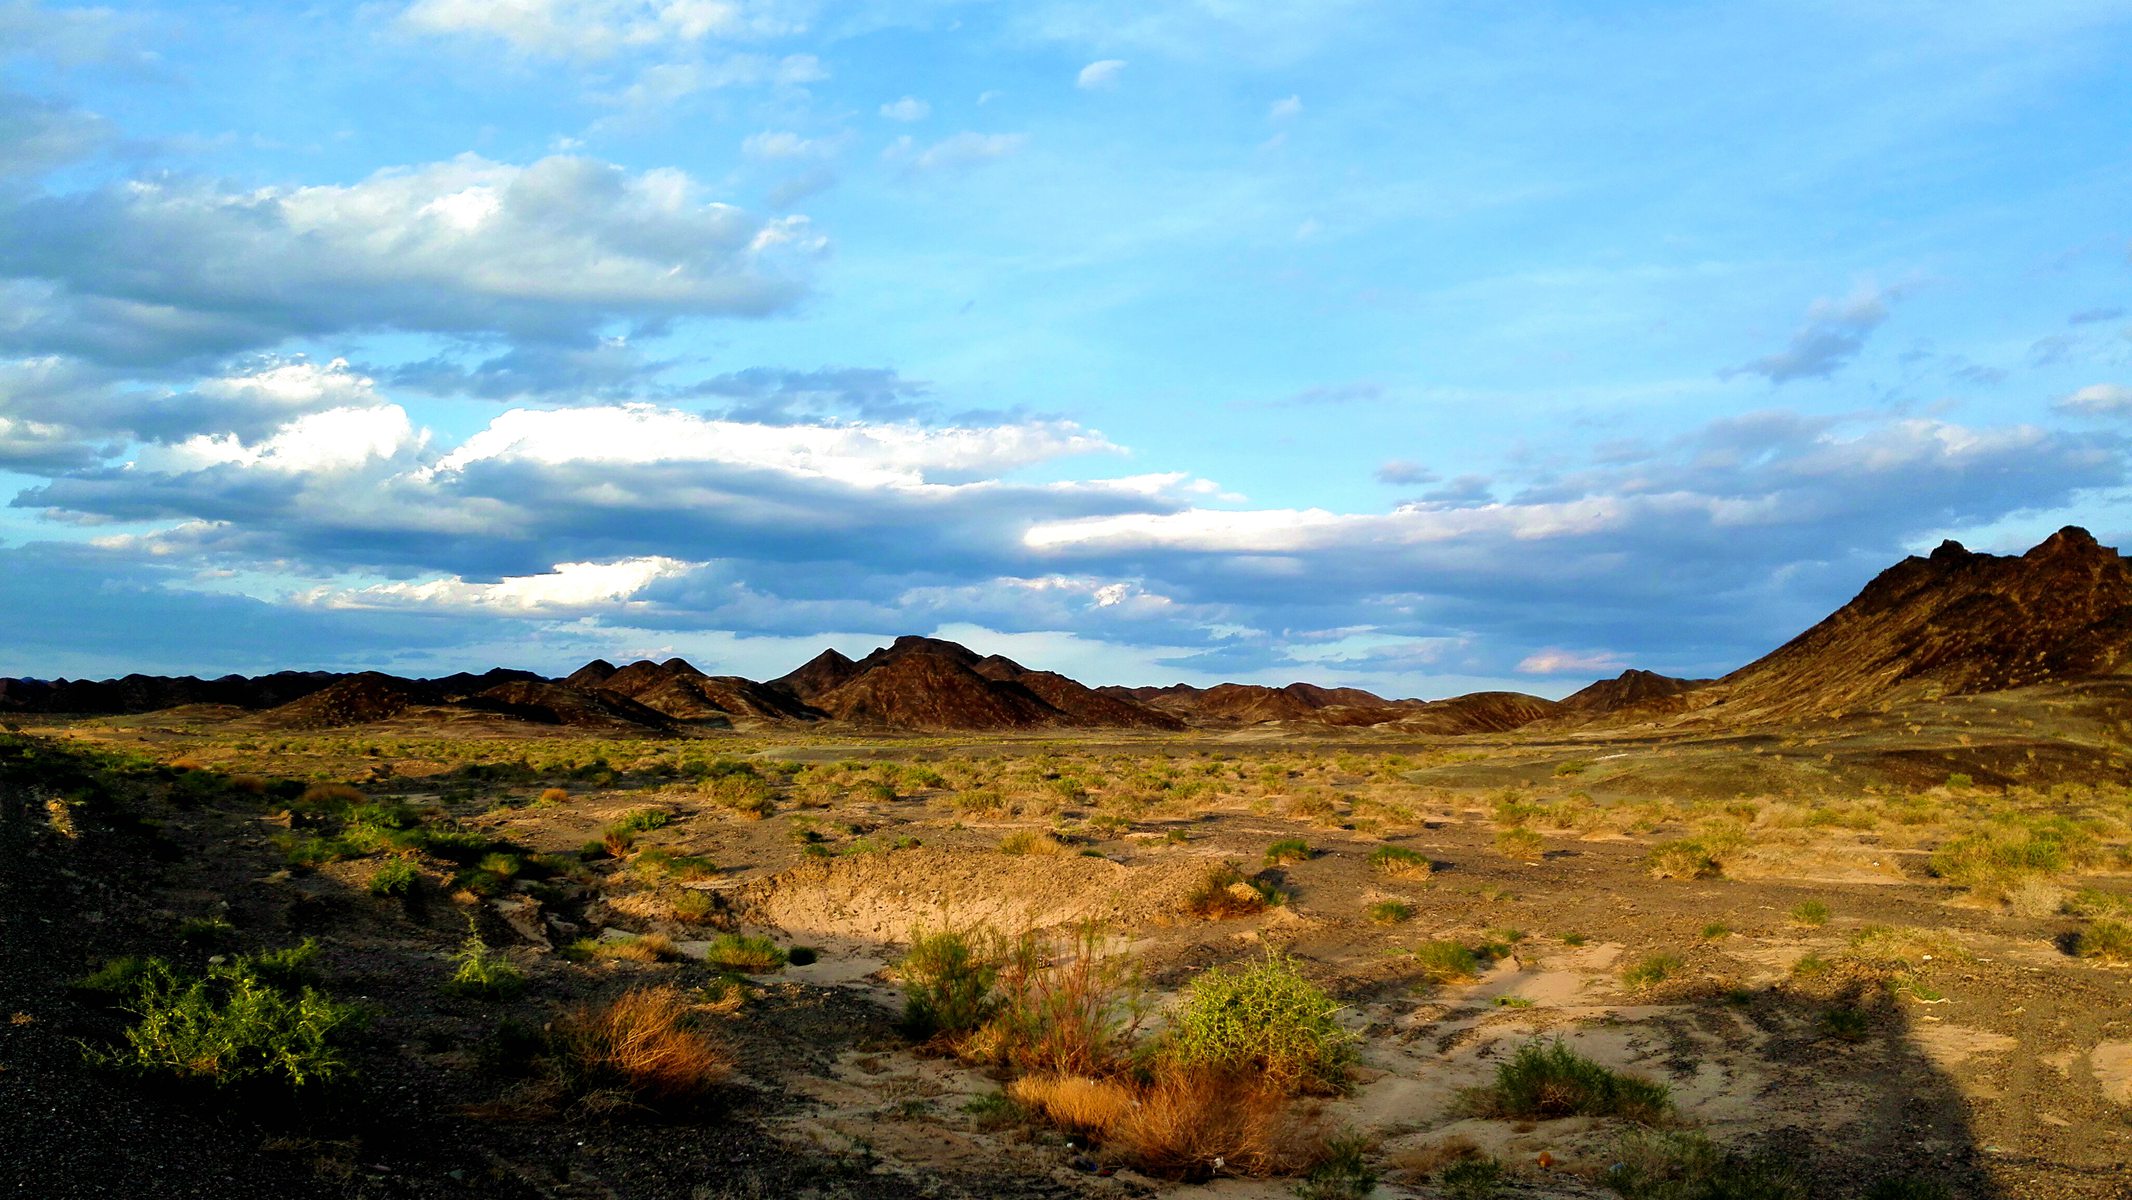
(571, 587)
(2099, 399)
(1552, 661)
(1102, 73)
(1285, 109)
(909, 108)
(887, 455)
(469, 245)
(959, 150)
(594, 28)
(338, 439)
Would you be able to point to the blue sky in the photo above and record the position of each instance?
(1424, 347)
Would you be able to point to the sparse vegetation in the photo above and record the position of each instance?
(1652, 970)
(1263, 1018)
(234, 1025)
(1400, 862)
(1683, 1165)
(738, 952)
(484, 973)
(1543, 1080)
(646, 1044)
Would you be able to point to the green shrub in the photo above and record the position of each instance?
(947, 984)
(395, 877)
(1288, 850)
(1810, 912)
(1390, 912)
(2105, 940)
(738, 952)
(232, 1026)
(117, 977)
(1263, 1018)
(1342, 1172)
(1655, 1165)
(1652, 970)
(1400, 861)
(483, 973)
(1445, 961)
(289, 967)
(1476, 1178)
(1549, 1079)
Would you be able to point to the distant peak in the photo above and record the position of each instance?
(2070, 540)
(1948, 550)
(680, 666)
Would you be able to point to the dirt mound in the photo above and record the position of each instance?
(1955, 623)
(356, 700)
(883, 897)
(561, 704)
(1477, 712)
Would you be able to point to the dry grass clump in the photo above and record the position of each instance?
(1400, 862)
(1067, 1008)
(1034, 842)
(645, 948)
(1075, 1103)
(1186, 1123)
(2104, 940)
(645, 1042)
(1225, 892)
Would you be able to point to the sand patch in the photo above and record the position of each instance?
(883, 897)
(2112, 1063)
(1949, 1046)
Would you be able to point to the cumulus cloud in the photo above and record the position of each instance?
(609, 588)
(151, 272)
(1834, 332)
(1102, 73)
(909, 108)
(774, 396)
(1552, 661)
(2099, 400)
(965, 149)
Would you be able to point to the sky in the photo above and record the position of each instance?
(1424, 347)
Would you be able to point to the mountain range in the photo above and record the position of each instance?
(1955, 622)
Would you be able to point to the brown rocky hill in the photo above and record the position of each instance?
(1476, 712)
(824, 672)
(356, 700)
(560, 704)
(1252, 704)
(1640, 691)
(677, 689)
(1083, 705)
(1953, 623)
(928, 683)
(934, 691)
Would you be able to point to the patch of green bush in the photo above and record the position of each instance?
(1673, 1165)
(1549, 1079)
(233, 1025)
(1263, 1018)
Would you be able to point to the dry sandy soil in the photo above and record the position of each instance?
(1941, 1029)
